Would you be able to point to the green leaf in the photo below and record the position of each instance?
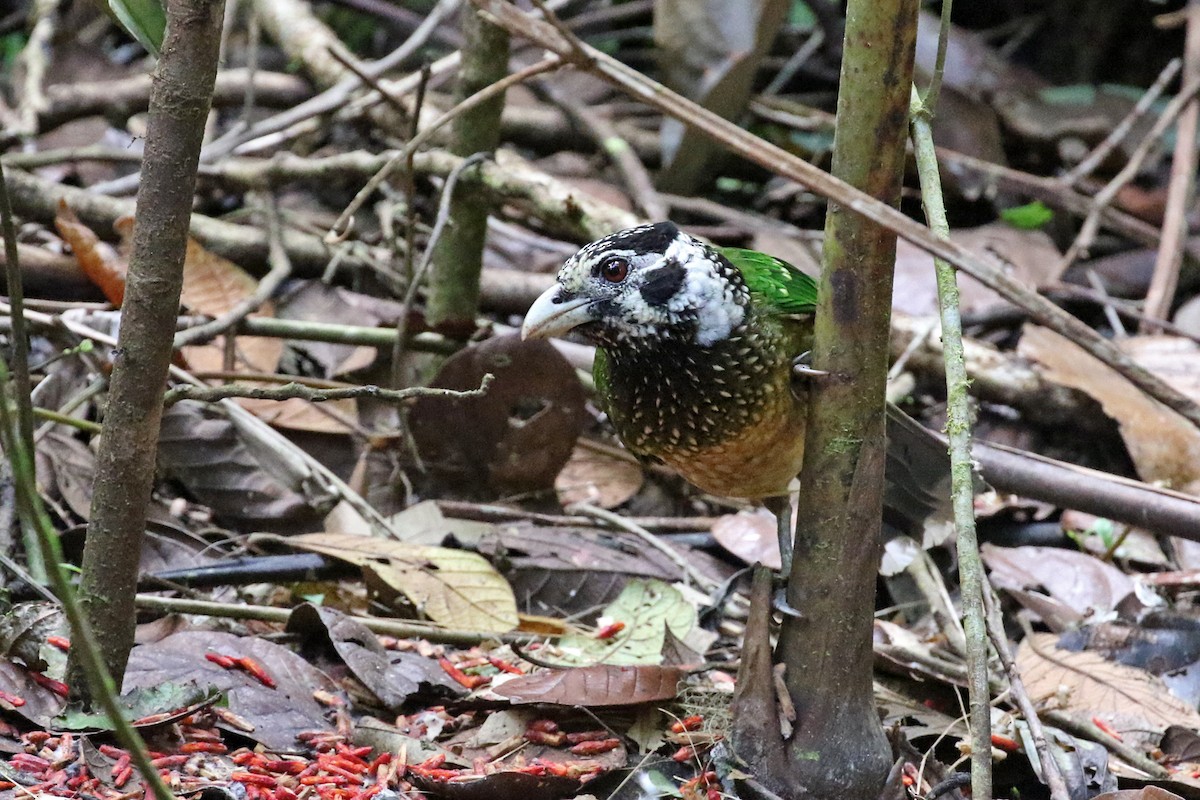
(1029, 216)
(145, 20)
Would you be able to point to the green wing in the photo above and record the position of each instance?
(774, 281)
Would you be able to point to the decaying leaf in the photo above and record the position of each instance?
(1129, 700)
(519, 434)
(571, 570)
(751, 535)
(393, 677)
(601, 685)
(277, 713)
(454, 588)
(98, 260)
(204, 450)
(1083, 582)
(599, 478)
(1163, 445)
(647, 610)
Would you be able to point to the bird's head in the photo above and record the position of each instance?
(640, 285)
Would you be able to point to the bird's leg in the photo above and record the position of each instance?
(781, 507)
(802, 367)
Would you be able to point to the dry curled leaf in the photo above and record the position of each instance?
(602, 685)
(454, 588)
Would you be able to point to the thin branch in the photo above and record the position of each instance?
(339, 227)
(1091, 224)
(958, 432)
(1181, 191)
(1051, 773)
(386, 627)
(289, 391)
(1118, 134)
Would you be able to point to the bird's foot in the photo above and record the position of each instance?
(779, 603)
(802, 367)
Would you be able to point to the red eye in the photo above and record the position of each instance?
(614, 270)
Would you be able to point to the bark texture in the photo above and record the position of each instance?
(179, 104)
(458, 255)
(837, 748)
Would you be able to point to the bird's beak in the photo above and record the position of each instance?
(554, 314)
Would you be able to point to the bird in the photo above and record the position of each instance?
(701, 364)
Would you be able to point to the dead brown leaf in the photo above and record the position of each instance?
(601, 685)
(599, 478)
(1131, 701)
(1163, 445)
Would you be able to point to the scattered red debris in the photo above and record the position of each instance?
(460, 677)
(610, 630)
(256, 670)
(61, 642)
(46, 682)
(224, 662)
(1104, 726)
(504, 666)
(12, 699)
(691, 723)
(595, 747)
(1005, 743)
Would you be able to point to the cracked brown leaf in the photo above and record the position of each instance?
(455, 588)
(1131, 701)
(602, 685)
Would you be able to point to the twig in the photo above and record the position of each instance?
(788, 165)
(326, 102)
(387, 627)
(32, 62)
(288, 391)
(930, 99)
(1110, 311)
(439, 225)
(616, 520)
(1051, 774)
(1118, 134)
(1087, 232)
(20, 365)
(1181, 191)
(547, 64)
(281, 270)
(958, 433)
(606, 136)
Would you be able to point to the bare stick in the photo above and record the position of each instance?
(1182, 189)
(1118, 134)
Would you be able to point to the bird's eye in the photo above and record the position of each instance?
(614, 270)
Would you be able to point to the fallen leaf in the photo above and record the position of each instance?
(647, 610)
(1164, 446)
(393, 677)
(1131, 701)
(277, 714)
(1083, 582)
(454, 588)
(599, 478)
(519, 434)
(601, 685)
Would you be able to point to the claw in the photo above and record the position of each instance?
(779, 603)
(801, 368)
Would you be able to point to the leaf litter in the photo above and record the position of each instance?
(547, 652)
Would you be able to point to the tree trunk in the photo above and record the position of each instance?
(179, 105)
(837, 749)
